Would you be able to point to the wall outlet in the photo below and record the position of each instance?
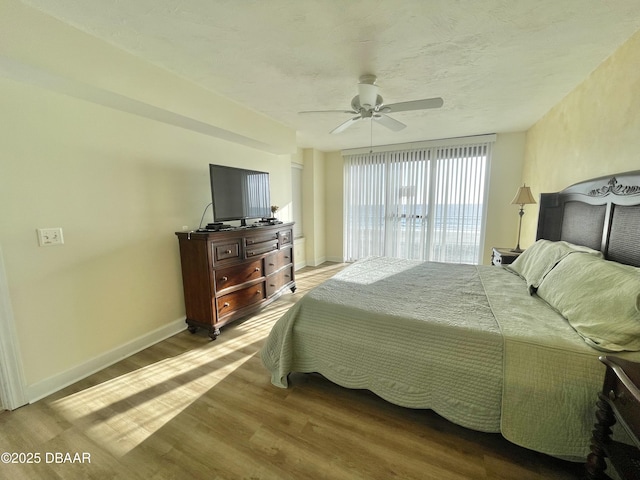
(50, 236)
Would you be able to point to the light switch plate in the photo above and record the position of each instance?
(50, 236)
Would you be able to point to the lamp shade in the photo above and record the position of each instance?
(523, 196)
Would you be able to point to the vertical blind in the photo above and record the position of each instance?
(423, 204)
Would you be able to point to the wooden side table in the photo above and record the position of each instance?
(503, 256)
(619, 401)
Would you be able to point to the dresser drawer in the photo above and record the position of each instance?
(242, 298)
(226, 251)
(238, 274)
(261, 248)
(277, 260)
(262, 238)
(285, 236)
(276, 281)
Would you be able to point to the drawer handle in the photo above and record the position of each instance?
(258, 292)
(286, 257)
(272, 285)
(224, 279)
(225, 304)
(613, 396)
(251, 253)
(286, 276)
(619, 397)
(256, 269)
(271, 264)
(227, 251)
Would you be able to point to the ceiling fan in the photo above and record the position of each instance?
(369, 104)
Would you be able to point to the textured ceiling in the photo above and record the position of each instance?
(500, 65)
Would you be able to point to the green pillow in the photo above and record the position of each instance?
(599, 298)
(540, 258)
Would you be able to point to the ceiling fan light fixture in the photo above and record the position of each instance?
(368, 94)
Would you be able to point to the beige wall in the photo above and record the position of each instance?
(594, 131)
(313, 199)
(334, 198)
(39, 49)
(504, 179)
(118, 181)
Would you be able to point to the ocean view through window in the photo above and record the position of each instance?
(423, 204)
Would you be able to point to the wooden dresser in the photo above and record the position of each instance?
(229, 274)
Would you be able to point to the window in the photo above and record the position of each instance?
(424, 204)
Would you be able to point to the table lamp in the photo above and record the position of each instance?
(523, 197)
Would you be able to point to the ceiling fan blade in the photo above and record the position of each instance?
(328, 111)
(390, 123)
(343, 126)
(424, 104)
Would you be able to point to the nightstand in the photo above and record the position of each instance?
(619, 402)
(503, 256)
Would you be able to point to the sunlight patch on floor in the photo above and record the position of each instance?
(122, 413)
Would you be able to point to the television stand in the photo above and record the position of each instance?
(229, 274)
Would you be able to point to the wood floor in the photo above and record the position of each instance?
(188, 408)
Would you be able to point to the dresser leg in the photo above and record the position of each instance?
(214, 332)
(601, 435)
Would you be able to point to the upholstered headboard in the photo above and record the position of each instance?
(602, 213)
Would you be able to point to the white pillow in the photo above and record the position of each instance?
(599, 298)
(540, 258)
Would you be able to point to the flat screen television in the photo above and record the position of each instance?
(239, 194)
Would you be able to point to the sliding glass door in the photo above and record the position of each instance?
(423, 204)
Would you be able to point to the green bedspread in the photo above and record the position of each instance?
(466, 341)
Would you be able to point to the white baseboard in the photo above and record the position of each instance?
(57, 382)
(335, 259)
(318, 261)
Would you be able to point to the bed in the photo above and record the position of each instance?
(510, 350)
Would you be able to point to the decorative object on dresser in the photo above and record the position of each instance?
(523, 197)
(229, 274)
(619, 402)
(503, 256)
